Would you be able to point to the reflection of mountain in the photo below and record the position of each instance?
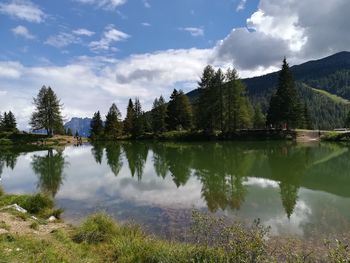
(49, 169)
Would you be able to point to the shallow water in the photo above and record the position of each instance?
(301, 190)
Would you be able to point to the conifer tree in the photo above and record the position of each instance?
(128, 122)
(138, 120)
(8, 122)
(203, 106)
(48, 112)
(96, 126)
(159, 115)
(69, 132)
(113, 127)
(259, 120)
(285, 108)
(179, 111)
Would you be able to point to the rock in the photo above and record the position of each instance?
(52, 218)
(16, 207)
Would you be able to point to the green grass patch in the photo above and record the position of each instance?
(333, 97)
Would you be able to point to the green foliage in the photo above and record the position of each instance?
(97, 228)
(338, 253)
(159, 115)
(47, 114)
(285, 107)
(259, 121)
(8, 122)
(34, 225)
(129, 119)
(113, 125)
(96, 126)
(138, 120)
(179, 111)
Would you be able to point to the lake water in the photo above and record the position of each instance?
(301, 190)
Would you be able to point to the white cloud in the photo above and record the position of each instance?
(146, 24)
(241, 5)
(23, 32)
(23, 9)
(10, 70)
(194, 31)
(62, 40)
(104, 4)
(83, 32)
(110, 36)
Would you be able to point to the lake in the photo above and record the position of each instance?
(301, 190)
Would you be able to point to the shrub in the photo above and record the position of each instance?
(97, 228)
(37, 203)
(34, 225)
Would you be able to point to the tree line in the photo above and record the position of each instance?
(8, 122)
(222, 106)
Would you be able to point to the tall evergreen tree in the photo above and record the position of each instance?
(48, 112)
(8, 122)
(347, 121)
(138, 120)
(218, 108)
(307, 118)
(204, 116)
(179, 111)
(128, 122)
(239, 110)
(96, 126)
(285, 107)
(113, 127)
(159, 115)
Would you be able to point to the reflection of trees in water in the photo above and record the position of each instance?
(49, 169)
(288, 164)
(113, 155)
(8, 158)
(136, 153)
(97, 152)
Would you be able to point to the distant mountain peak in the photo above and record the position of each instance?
(80, 125)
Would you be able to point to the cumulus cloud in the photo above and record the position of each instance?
(23, 9)
(194, 31)
(110, 36)
(287, 28)
(83, 32)
(104, 4)
(22, 31)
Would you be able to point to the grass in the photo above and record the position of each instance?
(100, 239)
(333, 97)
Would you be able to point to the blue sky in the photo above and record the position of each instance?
(149, 25)
(96, 52)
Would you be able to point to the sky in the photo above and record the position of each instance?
(96, 52)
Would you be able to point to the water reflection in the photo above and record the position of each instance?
(49, 169)
(288, 186)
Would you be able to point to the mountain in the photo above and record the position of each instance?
(323, 84)
(82, 125)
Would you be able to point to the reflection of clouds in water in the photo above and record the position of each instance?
(281, 225)
(260, 182)
(97, 183)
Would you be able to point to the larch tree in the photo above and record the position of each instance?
(47, 114)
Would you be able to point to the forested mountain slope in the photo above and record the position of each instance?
(317, 81)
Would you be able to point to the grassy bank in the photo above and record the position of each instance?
(100, 239)
(27, 139)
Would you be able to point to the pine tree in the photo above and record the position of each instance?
(179, 111)
(128, 122)
(347, 121)
(138, 120)
(96, 126)
(203, 106)
(113, 127)
(307, 118)
(218, 99)
(8, 122)
(159, 115)
(48, 112)
(285, 107)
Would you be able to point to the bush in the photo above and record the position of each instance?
(38, 203)
(97, 228)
